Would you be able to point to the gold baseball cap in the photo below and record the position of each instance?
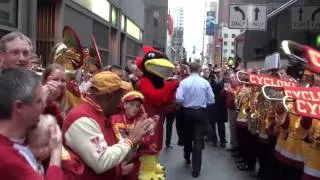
(107, 82)
(132, 95)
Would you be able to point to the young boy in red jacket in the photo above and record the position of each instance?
(132, 112)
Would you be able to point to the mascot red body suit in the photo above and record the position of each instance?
(159, 94)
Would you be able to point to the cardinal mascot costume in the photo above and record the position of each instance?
(159, 96)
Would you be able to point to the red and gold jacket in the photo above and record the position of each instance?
(121, 126)
(87, 109)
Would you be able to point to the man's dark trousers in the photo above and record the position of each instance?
(194, 131)
(169, 122)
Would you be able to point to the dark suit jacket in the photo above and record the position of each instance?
(217, 111)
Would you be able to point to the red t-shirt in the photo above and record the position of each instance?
(15, 166)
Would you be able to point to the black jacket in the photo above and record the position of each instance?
(217, 111)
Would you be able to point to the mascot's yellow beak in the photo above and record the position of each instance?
(160, 67)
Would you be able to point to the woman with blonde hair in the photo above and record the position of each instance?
(58, 105)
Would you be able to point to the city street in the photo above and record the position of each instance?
(217, 164)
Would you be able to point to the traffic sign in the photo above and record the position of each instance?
(257, 17)
(315, 18)
(300, 17)
(305, 17)
(248, 16)
(237, 16)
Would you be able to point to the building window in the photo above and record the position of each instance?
(8, 13)
(114, 16)
(132, 29)
(225, 35)
(232, 51)
(225, 43)
(99, 7)
(100, 30)
(225, 51)
(156, 17)
(123, 22)
(233, 35)
(233, 43)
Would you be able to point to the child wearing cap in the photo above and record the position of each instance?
(132, 112)
(38, 139)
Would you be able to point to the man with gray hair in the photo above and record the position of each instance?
(21, 103)
(15, 50)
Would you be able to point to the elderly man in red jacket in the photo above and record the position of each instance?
(89, 134)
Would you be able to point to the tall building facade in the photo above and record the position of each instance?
(228, 42)
(178, 15)
(226, 35)
(117, 25)
(155, 30)
(178, 34)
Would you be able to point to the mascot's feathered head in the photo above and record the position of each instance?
(155, 65)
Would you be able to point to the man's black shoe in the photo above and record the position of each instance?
(256, 175)
(195, 174)
(187, 158)
(214, 143)
(239, 160)
(168, 146)
(180, 142)
(232, 149)
(235, 155)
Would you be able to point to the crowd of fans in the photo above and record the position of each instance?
(44, 132)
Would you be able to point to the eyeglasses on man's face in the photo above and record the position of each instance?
(19, 52)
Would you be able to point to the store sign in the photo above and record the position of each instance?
(210, 23)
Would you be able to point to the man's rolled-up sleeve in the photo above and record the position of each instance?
(209, 94)
(179, 94)
(86, 139)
